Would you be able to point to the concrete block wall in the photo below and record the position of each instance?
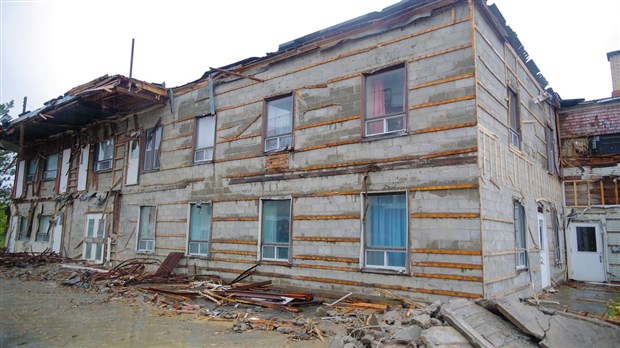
(508, 173)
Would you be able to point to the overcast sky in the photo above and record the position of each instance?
(48, 47)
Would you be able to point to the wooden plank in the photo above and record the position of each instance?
(325, 123)
(328, 268)
(444, 187)
(235, 218)
(322, 146)
(327, 239)
(327, 258)
(440, 81)
(448, 276)
(234, 241)
(327, 217)
(442, 102)
(443, 128)
(444, 215)
(447, 265)
(233, 252)
(447, 251)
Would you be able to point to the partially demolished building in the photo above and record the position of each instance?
(590, 151)
(412, 149)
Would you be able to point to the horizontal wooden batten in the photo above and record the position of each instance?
(233, 252)
(448, 277)
(322, 146)
(235, 218)
(446, 251)
(327, 217)
(443, 128)
(325, 123)
(234, 241)
(444, 187)
(440, 81)
(449, 293)
(247, 136)
(326, 258)
(328, 268)
(442, 102)
(444, 215)
(225, 259)
(172, 220)
(171, 235)
(327, 239)
(169, 248)
(447, 265)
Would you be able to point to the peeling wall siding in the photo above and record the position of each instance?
(452, 162)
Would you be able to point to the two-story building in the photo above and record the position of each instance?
(412, 149)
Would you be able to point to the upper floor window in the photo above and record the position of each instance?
(104, 155)
(515, 118)
(23, 233)
(276, 230)
(204, 139)
(550, 139)
(51, 167)
(152, 143)
(520, 243)
(385, 102)
(199, 229)
(385, 231)
(279, 123)
(33, 168)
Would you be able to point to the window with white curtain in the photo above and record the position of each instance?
(385, 231)
(199, 229)
(204, 139)
(279, 123)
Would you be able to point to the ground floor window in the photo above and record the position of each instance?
(520, 244)
(199, 229)
(276, 230)
(23, 229)
(385, 231)
(146, 229)
(93, 241)
(43, 232)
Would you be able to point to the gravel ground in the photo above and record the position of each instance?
(42, 313)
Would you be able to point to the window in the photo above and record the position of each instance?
(385, 231)
(23, 233)
(204, 139)
(151, 149)
(556, 235)
(384, 106)
(44, 228)
(520, 247)
(93, 243)
(51, 167)
(586, 239)
(104, 155)
(515, 119)
(146, 229)
(199, 229)
(549, 138)
(276, 229)
(279, 124)
(33, 168)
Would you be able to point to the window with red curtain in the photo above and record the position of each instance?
(385, 98)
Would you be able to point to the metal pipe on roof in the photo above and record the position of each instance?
(131, 62)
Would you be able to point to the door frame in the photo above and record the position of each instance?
(543, 241)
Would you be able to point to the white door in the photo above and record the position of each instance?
(57, 234)
(586, 247)
(93, 240)
(544, 251)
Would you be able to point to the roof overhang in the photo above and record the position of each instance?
(102, 99)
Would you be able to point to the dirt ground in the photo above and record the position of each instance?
(46, 314)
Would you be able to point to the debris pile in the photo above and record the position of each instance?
(25, 259)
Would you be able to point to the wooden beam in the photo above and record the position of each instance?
(237, 74)
(444, 215)
(449, 277)
(325, 123)
(327, 217)
(444, 80)
(444, 187)
(327, 258)
(326, 239)
(235, 218)
(233, 252)
(447, 251)
(447, 265)
(442, 102)
(234, 241)
(443, 128)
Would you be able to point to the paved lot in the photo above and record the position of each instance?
(45, 314)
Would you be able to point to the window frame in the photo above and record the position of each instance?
(520, 235)
(196, 149)
(365, 206)
(189, 232)
(95, 239)
(40, 236)
(551, 153)
(97, 162)
(23, 233)
(154, 153)
(387, 116)
(514, 131)
(32, 177)
(47, 171)
(556, 235)
(153, 226)
(278, 137)
(275, 245)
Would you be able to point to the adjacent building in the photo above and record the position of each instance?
(413, 149)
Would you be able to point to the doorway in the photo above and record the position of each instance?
(586, 248)
(544, 252)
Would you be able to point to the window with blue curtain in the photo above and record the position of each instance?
(276, 222)
(386, 231)
(199, 229)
